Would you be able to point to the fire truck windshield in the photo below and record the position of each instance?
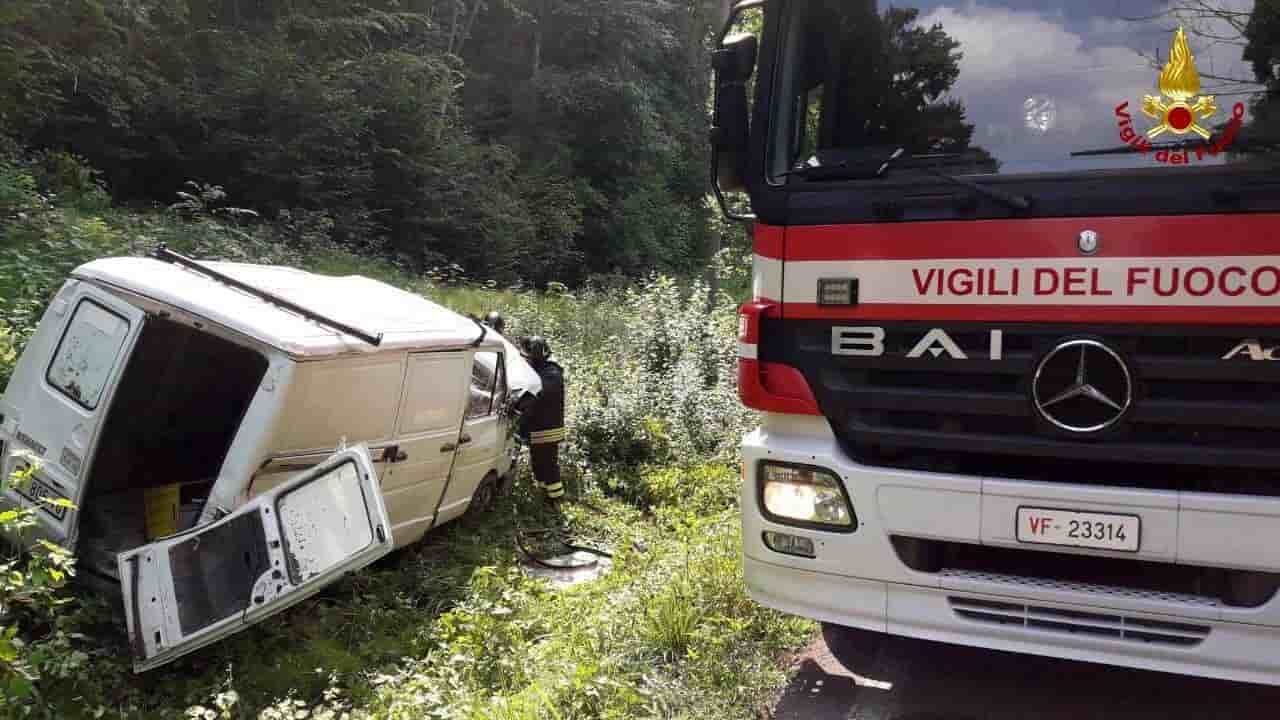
(1023, 87)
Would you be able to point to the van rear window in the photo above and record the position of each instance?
(87, 353)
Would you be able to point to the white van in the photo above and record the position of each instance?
(191, 413)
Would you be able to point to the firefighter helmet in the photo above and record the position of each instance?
(536, 348)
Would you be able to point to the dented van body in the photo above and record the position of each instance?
(177, 405)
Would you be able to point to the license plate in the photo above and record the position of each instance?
(1106, 531)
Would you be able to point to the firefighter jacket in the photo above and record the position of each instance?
(544, 424)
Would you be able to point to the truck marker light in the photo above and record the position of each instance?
(838, 291)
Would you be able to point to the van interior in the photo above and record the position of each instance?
(180, 401)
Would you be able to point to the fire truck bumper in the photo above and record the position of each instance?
(858, 579)
(1231, 651)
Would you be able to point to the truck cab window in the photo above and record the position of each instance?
(87, 353)
(488, 385)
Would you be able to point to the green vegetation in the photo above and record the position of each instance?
(521, 140)
(449, 628)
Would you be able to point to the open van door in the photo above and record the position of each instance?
(59, 394)
(197, 587)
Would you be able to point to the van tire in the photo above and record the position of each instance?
(485, 496)
(856, 649)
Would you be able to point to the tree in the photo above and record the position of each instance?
(883, 78)
(1262, 51)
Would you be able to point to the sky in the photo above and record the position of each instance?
(1040, 79)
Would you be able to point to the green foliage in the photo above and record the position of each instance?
(531, 140)
(39, 638)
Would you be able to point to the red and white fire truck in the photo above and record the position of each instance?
(1015, 326)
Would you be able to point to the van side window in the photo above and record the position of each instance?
(87, 353)
(435, 393)
(488, 385)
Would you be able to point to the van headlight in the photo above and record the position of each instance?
(805, 496)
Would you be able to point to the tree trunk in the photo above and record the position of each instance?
(471, 23)
(458, 8)
(537, 51)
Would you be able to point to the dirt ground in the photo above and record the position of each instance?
(917, 680)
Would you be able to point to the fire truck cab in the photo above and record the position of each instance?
(1015, 323)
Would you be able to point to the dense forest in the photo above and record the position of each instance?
(531, 140)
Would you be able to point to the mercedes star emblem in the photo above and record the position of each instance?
(1082, 386)
(1088, 242)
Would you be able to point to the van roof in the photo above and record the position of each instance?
(406, 320)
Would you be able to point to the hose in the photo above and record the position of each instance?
(519, 538)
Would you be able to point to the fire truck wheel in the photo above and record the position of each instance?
(853, 648)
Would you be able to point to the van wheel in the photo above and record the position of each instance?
(483, 499)
(854, 648)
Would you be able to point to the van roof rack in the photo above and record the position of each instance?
(162, 252)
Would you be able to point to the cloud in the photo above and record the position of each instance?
(1079, 67)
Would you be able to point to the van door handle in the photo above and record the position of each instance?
(393, 454)
(448, 448)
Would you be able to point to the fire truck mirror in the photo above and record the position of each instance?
(734, 63)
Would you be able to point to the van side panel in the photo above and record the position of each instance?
(355, 397)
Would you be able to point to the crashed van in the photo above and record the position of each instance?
(231, 438)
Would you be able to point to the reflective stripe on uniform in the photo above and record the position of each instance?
(546, 437)
(554, 490)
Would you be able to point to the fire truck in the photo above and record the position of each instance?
(1014, 333)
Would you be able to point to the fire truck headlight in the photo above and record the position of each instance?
(805, 496)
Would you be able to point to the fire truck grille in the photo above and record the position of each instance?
(1057, 620)
(1194, 414)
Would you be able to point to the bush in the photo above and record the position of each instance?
(38, 617)
(652, 376)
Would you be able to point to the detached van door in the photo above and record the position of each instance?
(65, 381)
(195, 588)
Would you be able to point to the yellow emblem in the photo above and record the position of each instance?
(1179, 82)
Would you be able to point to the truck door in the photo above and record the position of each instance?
(435, 395)
(483, 434)
(60, 393)
(192, 589)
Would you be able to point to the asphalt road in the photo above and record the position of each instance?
(917, 680)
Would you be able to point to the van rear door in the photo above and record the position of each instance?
(60, 393)
(195, 588)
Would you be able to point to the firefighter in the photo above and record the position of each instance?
(495, 321)
(543, 425)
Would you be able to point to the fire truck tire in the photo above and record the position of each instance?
(854, 648)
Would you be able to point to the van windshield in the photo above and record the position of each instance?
(1021, 87)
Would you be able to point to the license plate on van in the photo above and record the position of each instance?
(1105, 531)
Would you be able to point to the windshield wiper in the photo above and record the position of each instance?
(1238, 144)
(1017, 202)
(842, 171)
